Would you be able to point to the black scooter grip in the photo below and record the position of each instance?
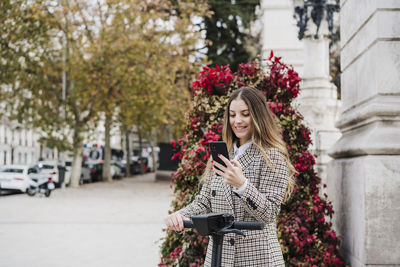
(248, 225)
(188, 224)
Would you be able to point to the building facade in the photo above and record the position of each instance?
(364, 177)
(20, 145)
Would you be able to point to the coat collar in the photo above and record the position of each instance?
(248, 156)
(238, 151)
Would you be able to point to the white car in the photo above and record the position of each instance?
(115, 170)
(86, 175)
(54, 171)
(17, 177)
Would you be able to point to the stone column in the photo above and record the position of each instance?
(279, 33)
(364, 177)
(318, 101)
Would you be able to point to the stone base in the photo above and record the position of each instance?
(365, 193)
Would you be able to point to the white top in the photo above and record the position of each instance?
(237, 152)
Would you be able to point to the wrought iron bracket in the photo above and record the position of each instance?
(320, 9)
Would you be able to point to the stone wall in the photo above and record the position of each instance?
(364, 177)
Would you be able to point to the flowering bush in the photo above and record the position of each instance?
(304, 230)
(213, 79)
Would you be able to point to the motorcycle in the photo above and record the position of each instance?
(40, 185)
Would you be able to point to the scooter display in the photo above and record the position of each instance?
(217, 225)
(40, 185)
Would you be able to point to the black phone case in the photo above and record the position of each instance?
(219, 147)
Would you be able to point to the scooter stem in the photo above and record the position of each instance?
(217, 250)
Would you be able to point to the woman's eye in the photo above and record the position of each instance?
(246, 115)
(231, 115)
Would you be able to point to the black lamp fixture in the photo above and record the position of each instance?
(320, 9)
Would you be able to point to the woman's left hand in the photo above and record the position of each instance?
(232, 174)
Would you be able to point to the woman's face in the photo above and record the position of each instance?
(240, 121)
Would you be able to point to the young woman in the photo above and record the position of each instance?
(258, 177)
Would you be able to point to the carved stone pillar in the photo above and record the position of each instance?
(364, 177)
(318, 101)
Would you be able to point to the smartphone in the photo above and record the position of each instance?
(219, 147)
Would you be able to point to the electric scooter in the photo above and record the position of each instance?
(40, 185)
(217, 225)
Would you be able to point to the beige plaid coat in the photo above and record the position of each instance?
(261, 201)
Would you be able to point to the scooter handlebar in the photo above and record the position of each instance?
(248, 225)
(236, 225)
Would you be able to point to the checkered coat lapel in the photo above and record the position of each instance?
(227, 191)
(248, 157)
(246, 160)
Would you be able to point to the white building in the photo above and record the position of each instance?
(19, 145)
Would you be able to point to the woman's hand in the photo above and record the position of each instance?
(232, 174)
(174, 221)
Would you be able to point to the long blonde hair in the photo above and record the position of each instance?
(266, 130)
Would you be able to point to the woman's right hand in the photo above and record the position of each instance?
(174, 221)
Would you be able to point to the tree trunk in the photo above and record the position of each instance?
(107, 151)
(141, 168)
(40, 151)
(153, 155)
(77, 161)
(128, 155)
(76, 167)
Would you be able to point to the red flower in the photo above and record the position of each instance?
(208, 78)
(177, 155)
(271, 55)
(173, 143)
(248, 69)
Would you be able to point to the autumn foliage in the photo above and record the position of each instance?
(304, 228)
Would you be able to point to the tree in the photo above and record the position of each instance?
(227, 31)
(79, 60)
(306, 237)
(155, 92)
(51, 51)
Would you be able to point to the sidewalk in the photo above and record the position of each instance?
(100, 224)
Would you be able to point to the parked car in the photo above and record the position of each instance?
(139, 165)
(55, 170)
(150, 165)
(96, 171)
(116, 170)
(121, 166)
(17, 177)
(86, 176)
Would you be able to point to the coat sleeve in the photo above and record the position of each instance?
(264, 202)
(201, 204)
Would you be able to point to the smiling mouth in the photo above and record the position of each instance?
(240, 128)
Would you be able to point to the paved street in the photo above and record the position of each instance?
(100, 224)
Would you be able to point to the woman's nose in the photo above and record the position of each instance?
(239, 119)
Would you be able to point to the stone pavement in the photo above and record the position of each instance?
(100, 224)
